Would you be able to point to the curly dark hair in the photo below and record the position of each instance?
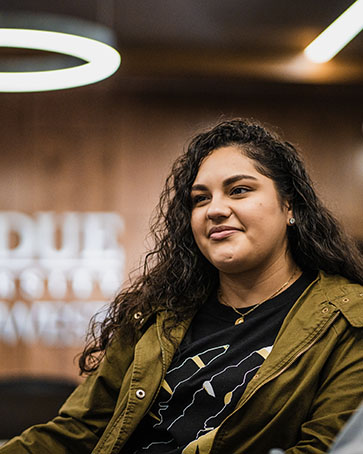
(177, 278)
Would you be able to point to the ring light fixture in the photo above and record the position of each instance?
(101, 60)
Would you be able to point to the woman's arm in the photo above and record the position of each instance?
(339, 394)
(84, 416)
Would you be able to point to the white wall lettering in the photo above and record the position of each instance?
(89, 253)
(51, 266)
(54, 323)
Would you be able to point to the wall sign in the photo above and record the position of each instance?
(56, 270)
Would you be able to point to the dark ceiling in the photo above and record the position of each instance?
(220, 39)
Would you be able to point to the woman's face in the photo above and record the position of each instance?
(238, 220)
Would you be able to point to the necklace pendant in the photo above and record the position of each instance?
(239, 320)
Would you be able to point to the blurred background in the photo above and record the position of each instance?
(81, 169)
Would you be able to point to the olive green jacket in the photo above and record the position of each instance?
(301, 396)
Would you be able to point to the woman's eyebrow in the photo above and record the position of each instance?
(235, 178)
(226, 182)
(199, 187)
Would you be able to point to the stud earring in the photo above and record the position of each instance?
(292, 221)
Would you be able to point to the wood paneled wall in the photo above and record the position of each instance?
(93, 150)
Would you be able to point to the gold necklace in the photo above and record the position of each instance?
(242, 316)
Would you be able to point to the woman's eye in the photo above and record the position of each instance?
(198, 199)
(239, 190)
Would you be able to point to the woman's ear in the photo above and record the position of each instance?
(289, 213)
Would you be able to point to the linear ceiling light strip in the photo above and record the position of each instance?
(337, 35)
(101, 60)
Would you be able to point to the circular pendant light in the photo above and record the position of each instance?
(101, 60)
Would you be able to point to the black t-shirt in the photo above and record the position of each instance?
(210, 372)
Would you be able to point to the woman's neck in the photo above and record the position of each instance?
(250, 288)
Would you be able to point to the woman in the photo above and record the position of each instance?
(244, 332)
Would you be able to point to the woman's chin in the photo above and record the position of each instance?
(229, 266)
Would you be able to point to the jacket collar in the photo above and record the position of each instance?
(345, 296)
(327, 294)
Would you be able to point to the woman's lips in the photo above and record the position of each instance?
(219, 233)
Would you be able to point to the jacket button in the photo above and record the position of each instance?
(345, 300)
(140, 393)
(137, 315)
(325, 310)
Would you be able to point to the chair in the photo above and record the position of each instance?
(25, 401)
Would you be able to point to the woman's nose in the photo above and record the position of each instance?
(218, 209)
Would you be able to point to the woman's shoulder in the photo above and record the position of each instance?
(338, 285)
(345, 295)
